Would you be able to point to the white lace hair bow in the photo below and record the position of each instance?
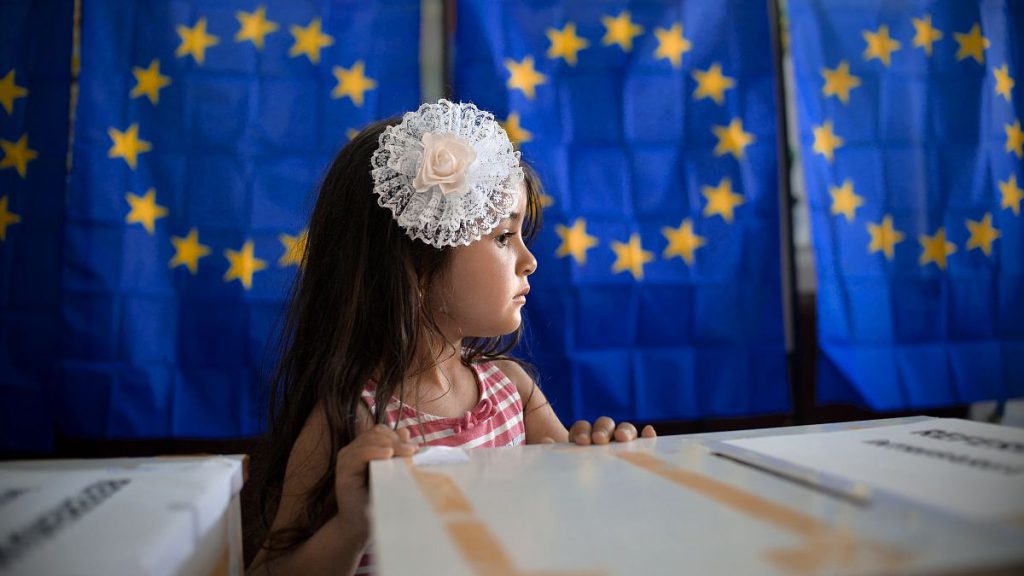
(447, 172)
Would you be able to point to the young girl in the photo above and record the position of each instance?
(415, 274)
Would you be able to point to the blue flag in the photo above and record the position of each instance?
(35, 88)
(911, 137)
(202, 131)
(652, 125)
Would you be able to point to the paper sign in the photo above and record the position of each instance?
(971, 469)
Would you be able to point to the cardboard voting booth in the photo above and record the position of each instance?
(692, 504)
(137, 516)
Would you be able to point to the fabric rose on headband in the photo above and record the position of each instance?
(444, 162)
(447, 172)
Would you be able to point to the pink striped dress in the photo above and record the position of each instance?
(495, 421)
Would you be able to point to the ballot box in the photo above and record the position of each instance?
(137, 516)
(702, 504)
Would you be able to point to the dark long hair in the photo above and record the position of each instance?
(357, 310)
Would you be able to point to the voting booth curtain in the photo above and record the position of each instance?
(140, 300)
(35, 88)
(144, 261)
(910, 134)
(653, 126)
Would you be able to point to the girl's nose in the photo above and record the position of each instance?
(528, 264)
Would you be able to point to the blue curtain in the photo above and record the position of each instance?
(202, 131)
(652, 124)
(911, 140)
(35, 89)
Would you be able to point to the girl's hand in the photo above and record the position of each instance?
(604, 431)
(351, 473)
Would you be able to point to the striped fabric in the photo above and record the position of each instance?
(496, 421)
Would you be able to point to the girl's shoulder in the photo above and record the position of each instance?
(515, 372)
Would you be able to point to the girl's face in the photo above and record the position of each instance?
(484, 287)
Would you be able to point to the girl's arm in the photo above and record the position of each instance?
(338, 545)
(543, 425)
(333, 549)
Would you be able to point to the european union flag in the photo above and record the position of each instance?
(912, 145)
(652, 124)
(202, 131)
(35, 88)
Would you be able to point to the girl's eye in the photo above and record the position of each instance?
(503, 238)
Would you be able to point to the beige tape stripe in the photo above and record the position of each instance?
(474, 540)
(442, 492)
(746, 502)
(479, 547)
(823, 546)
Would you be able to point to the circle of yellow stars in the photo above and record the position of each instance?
(839, 83)
(620, 30)
(128, 143)
(16, 155)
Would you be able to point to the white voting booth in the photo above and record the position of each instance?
(901, 496)
(132, 516)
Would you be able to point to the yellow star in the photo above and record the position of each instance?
(17, 155)
(880, 45)
(982, 234)
(825, 140)
(195, 41)
(712, 84)
(1015, 139)
(243, 264)
(309, 41)
(352, 82)
(546, 201)
(149, 82)
(6, 218)
(254, 26)
(294, 248)
(671, 44)
(516, 133)
(1004, 83)
(620, 30)
(9, 91)
(845, 201)
(924, 34)
(732, 139)
(682, 241)
(839, 82)
(127, 145)
(972, 44)
(721, 200)
(884, 237)
(188, 251)
(351, 133)
(523, 76)
(565, 44)
(144, 210)
(1012, 194)
(575, 241)
(935, 249)
(631, 257)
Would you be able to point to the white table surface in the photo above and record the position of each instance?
(660, 506)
